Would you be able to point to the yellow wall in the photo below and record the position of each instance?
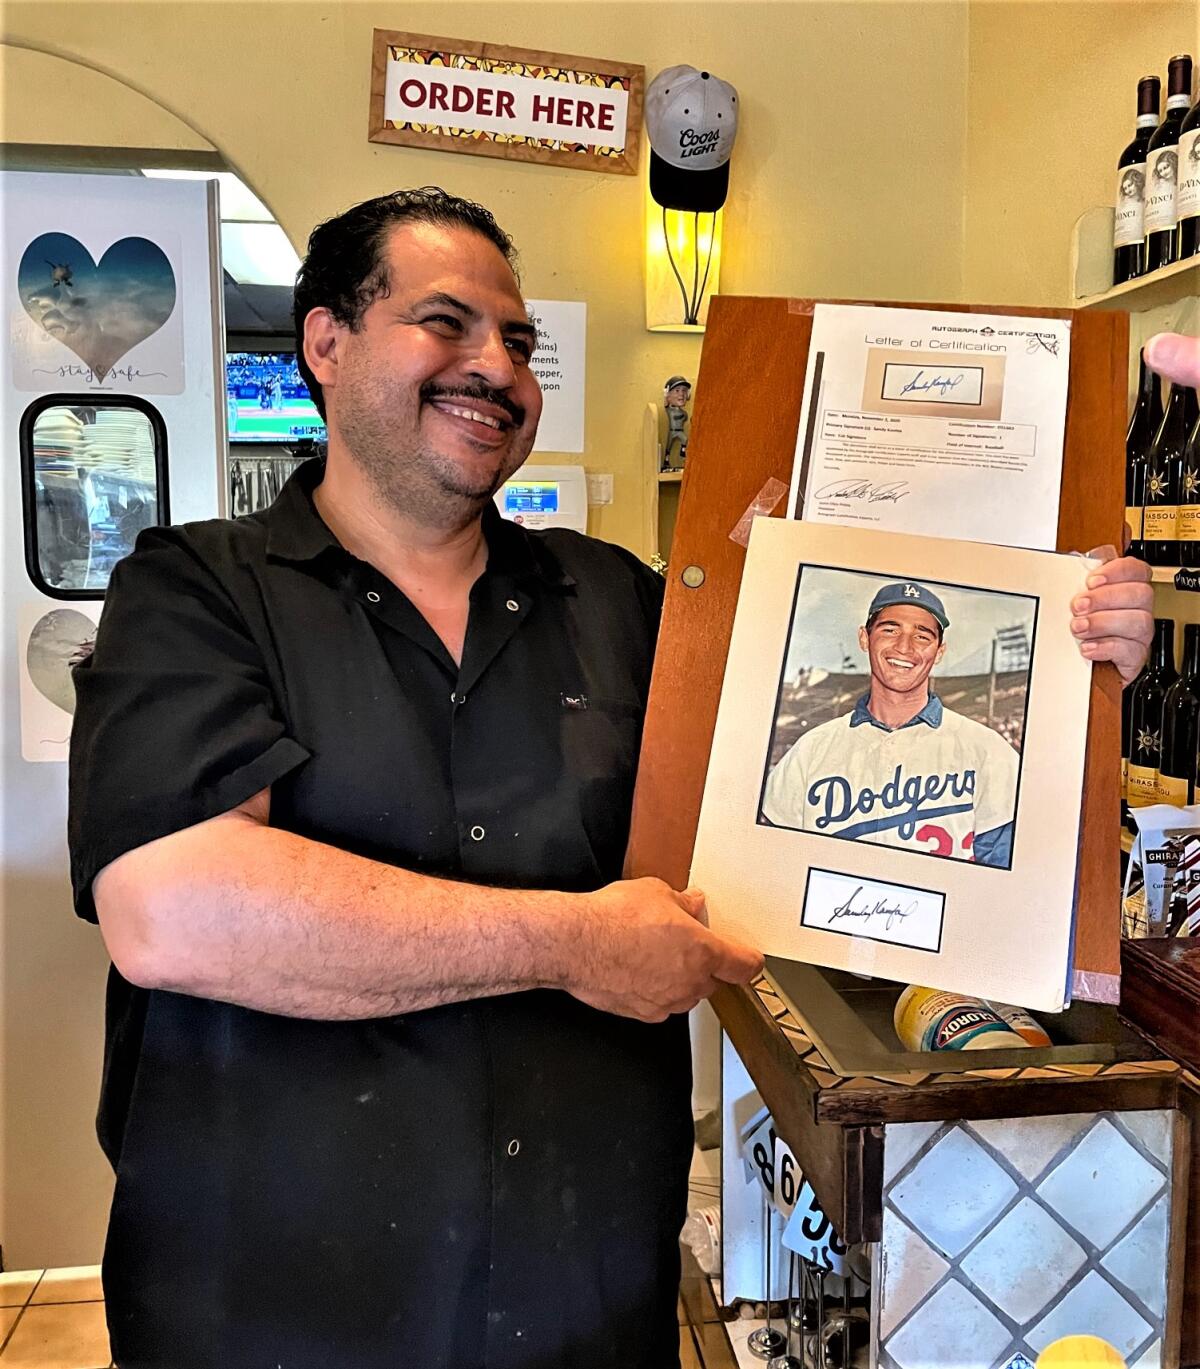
(847, 178)
(1050, 104)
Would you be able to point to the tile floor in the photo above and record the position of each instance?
(53, 1319)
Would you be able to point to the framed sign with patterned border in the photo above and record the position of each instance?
(496, 101)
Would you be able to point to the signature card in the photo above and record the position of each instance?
(916, 420)
(895, 778)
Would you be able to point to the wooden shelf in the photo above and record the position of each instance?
(1164, 286)
(1165, 575)
(670, 477)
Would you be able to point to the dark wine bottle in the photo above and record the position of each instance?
(1162, 166)
(1144, 424)
(1187, 186)
(1145, 729)
(1188, 522)
(1129, 245)
(1181, 717)
(1164, 475)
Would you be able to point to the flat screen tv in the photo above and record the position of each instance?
(267, 401)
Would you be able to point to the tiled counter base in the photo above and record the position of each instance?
(1001, 1236)
(1007, 1207)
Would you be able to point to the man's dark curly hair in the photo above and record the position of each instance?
(344, 269)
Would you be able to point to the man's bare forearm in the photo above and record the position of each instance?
(273, 921)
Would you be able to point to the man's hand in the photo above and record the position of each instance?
(1114, 616)
(1174, 356)
(644, 952)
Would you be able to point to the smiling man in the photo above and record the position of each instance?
(901, 769)
(397, 1070)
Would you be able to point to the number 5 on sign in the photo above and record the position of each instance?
(788, 1178)
(810, 1234)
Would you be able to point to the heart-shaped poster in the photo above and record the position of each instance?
(60, 640)
(100, 311)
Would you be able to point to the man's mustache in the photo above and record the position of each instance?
(481, 392)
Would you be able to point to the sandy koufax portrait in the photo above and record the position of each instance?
(900, 714)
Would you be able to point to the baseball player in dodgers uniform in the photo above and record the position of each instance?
(901, 769)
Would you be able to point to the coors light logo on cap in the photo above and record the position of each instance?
(691, 121)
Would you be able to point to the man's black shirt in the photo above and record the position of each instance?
(494, 1183)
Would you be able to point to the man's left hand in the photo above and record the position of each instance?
(1114, 616)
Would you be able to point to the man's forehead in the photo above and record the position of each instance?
(906, 613)
(429, 258)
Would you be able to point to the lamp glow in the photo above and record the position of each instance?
(683, 267)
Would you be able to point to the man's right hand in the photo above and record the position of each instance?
(644, 952)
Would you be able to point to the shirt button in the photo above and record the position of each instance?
(514, 1146)
(513, 606)
(477, 833)
(374, 598)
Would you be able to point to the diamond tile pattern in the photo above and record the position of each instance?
(1030, 1143)
(910, 1269)
(1101, 1185)
(901, 1141)
(1139, 1260)
(1026, 1230)
(1092, 1307)
(955, 1192)
(953, 1330)
(1024, 1261)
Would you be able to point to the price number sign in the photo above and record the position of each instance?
(758, 1153)
(810, 1233)
(788, 1181)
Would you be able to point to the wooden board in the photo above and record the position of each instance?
(748, 398)
(623, 163)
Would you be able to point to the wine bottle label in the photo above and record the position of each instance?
(1171, 790)
(1133, 516)
(1161, 167)
(1143, 785)
(1128, 226)
(1161, 523)
(1188, 524)
(1187, 195)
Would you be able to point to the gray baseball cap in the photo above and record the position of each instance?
(909, 592)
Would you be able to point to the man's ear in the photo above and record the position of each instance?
(862, 639)
(937, 660)
(322, 336)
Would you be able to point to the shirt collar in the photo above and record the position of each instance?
(931, 714)
(297, 532)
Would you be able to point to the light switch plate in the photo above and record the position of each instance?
(600, 489)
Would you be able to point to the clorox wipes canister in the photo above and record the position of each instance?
(933, 1020)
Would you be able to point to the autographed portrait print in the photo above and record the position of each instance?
(900, 714)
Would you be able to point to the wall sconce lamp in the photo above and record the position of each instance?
(691, 121)
(683, 267)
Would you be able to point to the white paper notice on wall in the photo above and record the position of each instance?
(560, 364)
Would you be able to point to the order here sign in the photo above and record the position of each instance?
(491, 102)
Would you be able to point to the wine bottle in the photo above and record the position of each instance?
(1164, 476)
(1187, 186)
(1162, 165)
(1145, 733)
(1144, 424)
(1188, 522)
(1181, 715)
(1129, 246)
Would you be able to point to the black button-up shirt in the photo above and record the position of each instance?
(494, 1183)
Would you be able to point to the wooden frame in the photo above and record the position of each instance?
(744, 432)
(487, 56)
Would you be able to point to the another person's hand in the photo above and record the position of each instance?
(1114, 616)
(1174, 356)
(644, 952)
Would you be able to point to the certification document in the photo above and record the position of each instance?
(937, 424)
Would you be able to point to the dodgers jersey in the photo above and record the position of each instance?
(940, 784)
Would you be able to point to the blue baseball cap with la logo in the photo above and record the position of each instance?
(909, 592)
